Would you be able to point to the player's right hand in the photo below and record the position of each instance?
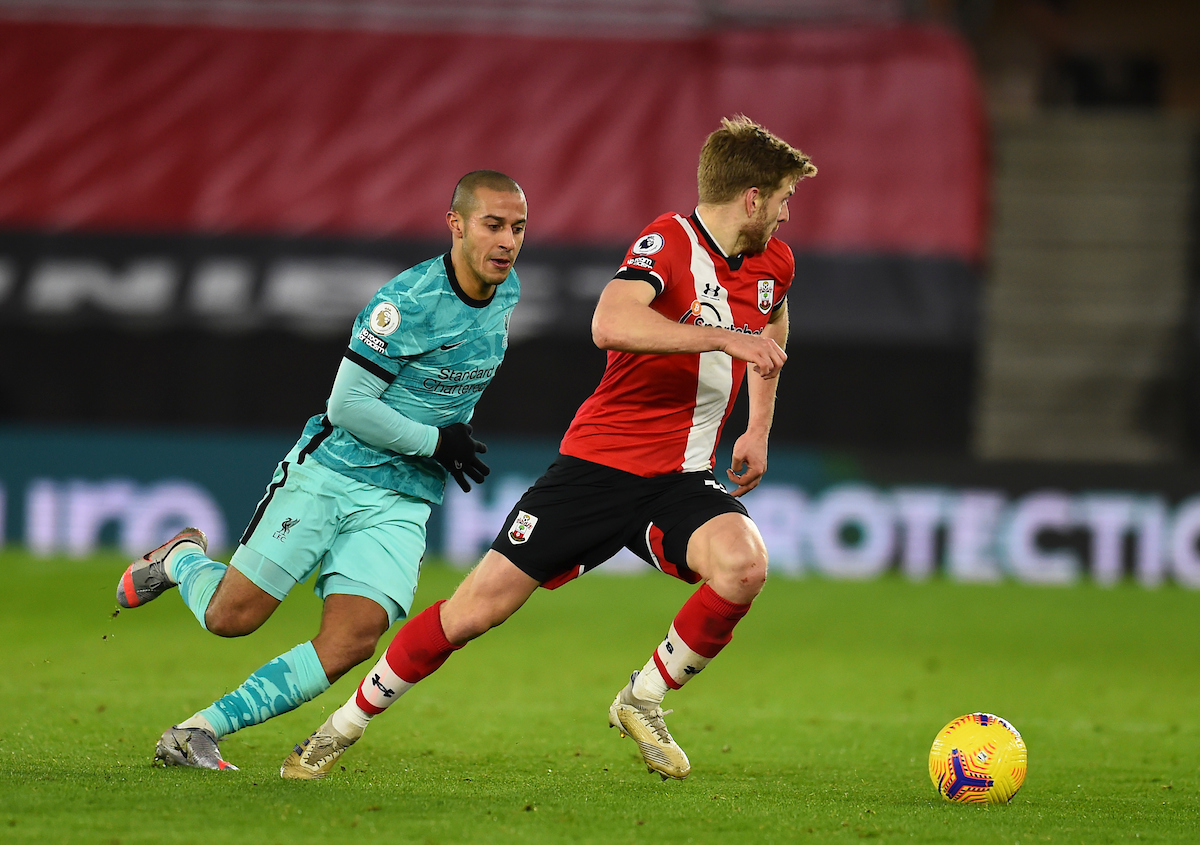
(459, 452)
(763, 354)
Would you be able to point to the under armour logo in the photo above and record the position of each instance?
(670, 648)
(375, 682)
(690, 670)
(711, 291)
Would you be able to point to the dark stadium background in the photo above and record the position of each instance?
(995, 264)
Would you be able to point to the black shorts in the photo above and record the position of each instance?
(579, 514)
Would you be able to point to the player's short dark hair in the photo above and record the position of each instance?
(743, 155)
(463, 199)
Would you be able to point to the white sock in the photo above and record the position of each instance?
(199, 721)
(186, 547)
(349, 720)
(678, 660)
(649, 685)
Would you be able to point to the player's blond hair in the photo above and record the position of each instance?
(463, 200)
(743, 155)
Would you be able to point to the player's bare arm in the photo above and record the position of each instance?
(750, 450)
(625, 322)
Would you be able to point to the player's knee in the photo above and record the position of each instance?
(741, 574)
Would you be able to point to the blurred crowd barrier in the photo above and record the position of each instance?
(835, 514)
(212, 204)
(190, 129)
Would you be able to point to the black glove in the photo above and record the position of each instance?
(456, 451)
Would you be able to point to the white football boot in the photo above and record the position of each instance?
(314, 758)
(644, 722)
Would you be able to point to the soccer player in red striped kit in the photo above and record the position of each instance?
(699, 299)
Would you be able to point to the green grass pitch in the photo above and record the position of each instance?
(813, 726)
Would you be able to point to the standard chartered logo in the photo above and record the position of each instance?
(451, 382)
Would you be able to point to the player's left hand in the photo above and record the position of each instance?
(749, 463)
(456, 451)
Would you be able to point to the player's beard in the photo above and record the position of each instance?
(480, 264)
(756, 234)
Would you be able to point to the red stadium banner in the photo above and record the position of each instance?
(161, 128)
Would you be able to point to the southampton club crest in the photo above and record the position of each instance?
(766, 295)
(521, 528)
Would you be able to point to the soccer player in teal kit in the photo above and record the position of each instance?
(351, 499)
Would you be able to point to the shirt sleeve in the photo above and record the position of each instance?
(651, 256)
(787, 276)
(355, 405)
(391, 328)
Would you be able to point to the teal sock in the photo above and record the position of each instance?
(282, 685)
(198, 577)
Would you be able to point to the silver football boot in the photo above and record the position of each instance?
(193, 747)
(146, 578)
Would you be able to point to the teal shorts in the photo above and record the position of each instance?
(361, 540)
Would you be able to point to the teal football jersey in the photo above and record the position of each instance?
(438, 349)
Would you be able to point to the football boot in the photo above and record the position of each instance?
(644, 723)
(194, 747)
(146, 578)
(314, 758)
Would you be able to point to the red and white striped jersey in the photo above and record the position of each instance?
(657, 414)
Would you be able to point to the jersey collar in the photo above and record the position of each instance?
(735, 263)
(457, 288)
